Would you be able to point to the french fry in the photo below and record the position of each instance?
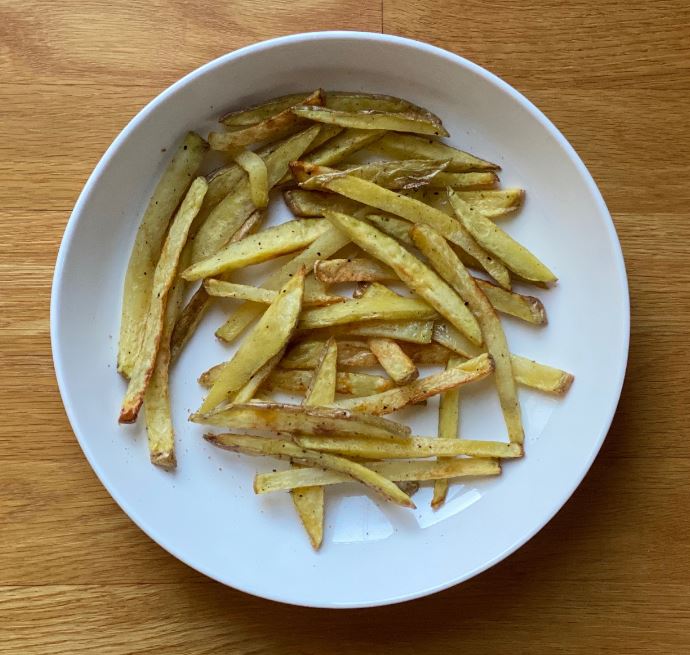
(407, 146)
(370, 120)
(446, 262)
(413, 447)
(317, 177)
(223, 289)
(492, 203)
(334, 271)
(397, 228)
(417, 276)
(297, 419)
(255, 167)
(288, 450)
(408, 331)
(321, 390)
(249, 390)
(148, 244)
(232, 211)
(305, 355)
(256, 248)
(448, 428)
(270, 129)
(397, 175)
(414, 392)
(269, 337)
(484, 180)
(350, 384)
(312, 204)
(258, 113)
(432, 353)
(513, 254)
(527, 308)
(326, 133)
(326, 245)
(364, 309)
(163, 278)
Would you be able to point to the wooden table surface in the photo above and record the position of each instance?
(610, 573)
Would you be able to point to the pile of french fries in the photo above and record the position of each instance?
(377, 198)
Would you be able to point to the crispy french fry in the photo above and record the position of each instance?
(393, 360)
(318, 177)
(484, 180)
(446, 262)
(493, 203)
(432, 353)
(334, 271)
(326, 245)
(527, 308)
(397, 175)
(305, 355)
(163, 278)
(414, 392)
(256, 248)
(321, 390)
(232, 211)
(311, 204)
(370, 120)
(407, 146)
(513, 254)
(364, 309)
(408, 331)
(400, 471)
(255, 167)
(249, 390)
(412, 447)
(417, 276)
(297, 419)
(397, 228)
(270, 129)
(448, 428)
(342, 146)
(288, 450)
(148, 244)
(269, 337)
(258, 113)
(223, 289)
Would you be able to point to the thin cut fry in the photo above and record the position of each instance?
(463, 180)
(493, 203)
(312, 204)
(255, 167)
(395, 399)
(305, 355)
(334, 271)
(288, 450)
(269, 337)
(163, 278)
(527, 308)
(223, 289)
(410, 174)
(148, 244)
(321, 390)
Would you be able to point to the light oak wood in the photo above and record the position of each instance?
(609, 574)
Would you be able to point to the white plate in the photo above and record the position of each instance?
(206, 513)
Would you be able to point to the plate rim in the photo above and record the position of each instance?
(141, 115)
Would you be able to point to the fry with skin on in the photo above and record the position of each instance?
(148, 244)
(397, 175)
(335, 271)
(304, 355)
(249, 390)
(223, 289)
(400, 471)
(288, 450)
(463, 180)
(312, 204)
(269, 336)
(255, 167)
(409, 331)
(492, 203)
(163, 278)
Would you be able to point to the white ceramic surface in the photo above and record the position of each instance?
(206, 513)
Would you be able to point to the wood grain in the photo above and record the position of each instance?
(609, 574)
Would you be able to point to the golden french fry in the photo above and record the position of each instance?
(370, 120)
(311, 204)
(163, 278)
(446, 262)
(272, 128)
(400, 471)
(432, 353)
(249, 390)
(492, 203)
(256, 248)
(305, 355)
(326, 245)
(258, 113)
(326, 133)
(410, 448)
(513, 254)
(223, 289)
(288, 450)
(334, 271)
(414, 392)
(417, 276)
(400, 368)
(319, 178)
(463, 180)
(148, 244)
(255, 167)
(407, 146)
(297, 419)
(321, 390)
(527, 308)
(269, 337)
(398, 175)
(397, 228)
(408, 331)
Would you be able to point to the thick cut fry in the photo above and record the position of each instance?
(395, 399)
(305, 355)
(255, 167)
(397, 175)
(315, 177)
(256, 248)
(334, 271)
(402, 471)
(232, 211)
(513, 254)
(148, 244)
(494, 203)
(288, 450)
(393, 360)
(312, 204)
(223, 289)
(363, 309)
(163, 278)
(463, 180)
(407, 146)
(270, 129)
(326, 245)
(417, 276)
(448, 428)
(370, 120)
(446, 262)
(412, 447)
(269, 337)
(296, 419)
